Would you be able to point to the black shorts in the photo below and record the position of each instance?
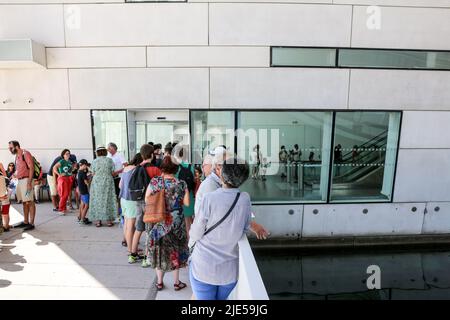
(116, 186)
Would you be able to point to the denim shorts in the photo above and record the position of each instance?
(85, 198)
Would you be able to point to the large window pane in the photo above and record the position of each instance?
(303, 57)
(111, 126)
(292, 160)
(395, 59)
(209, 130)
(364, 157)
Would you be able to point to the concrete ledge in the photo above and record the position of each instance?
(435, 241)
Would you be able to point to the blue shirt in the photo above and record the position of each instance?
(215, 259)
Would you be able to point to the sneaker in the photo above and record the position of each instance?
(55, 209)
(21, 225)
(145, 263)
(86, 221)
(29, 227)
(132, 259)
(36, 201)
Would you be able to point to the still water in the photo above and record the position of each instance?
(332, 276)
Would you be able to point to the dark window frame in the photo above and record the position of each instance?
(337, 66)
(333, 124)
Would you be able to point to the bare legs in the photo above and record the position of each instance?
(129, 231)
(29, 212)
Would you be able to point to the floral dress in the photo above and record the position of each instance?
(167, 243)
(102, 201)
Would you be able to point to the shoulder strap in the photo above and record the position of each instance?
(225, 216)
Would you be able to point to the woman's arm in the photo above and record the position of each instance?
(2, 169)
(55, 170)
(186, 199)
(201, 219)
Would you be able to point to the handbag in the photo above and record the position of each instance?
(191, 249)
(155, 206)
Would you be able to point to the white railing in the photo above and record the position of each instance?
(250, 285)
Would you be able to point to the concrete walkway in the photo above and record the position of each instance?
(61, 259)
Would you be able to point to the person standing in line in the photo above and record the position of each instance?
(102, 198)
(167, 243)
(212, 165)
(24, 189)
(52, 181)
(62, 171)
(83, 188)
(214, 262)
(186, 173)
(157, 155)
(4, 200)
(119, 163)
(129, 207)
(146, 152)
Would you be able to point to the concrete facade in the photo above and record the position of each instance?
(199, 55)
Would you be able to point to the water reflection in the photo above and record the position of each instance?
(404, 275)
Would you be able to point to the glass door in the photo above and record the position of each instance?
(110, 126)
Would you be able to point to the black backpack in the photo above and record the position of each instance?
(186, 175)
(138, 183)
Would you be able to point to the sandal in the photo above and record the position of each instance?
(179, 286)
(98, 224)
(159, 286)
(110, 224)
(124, 243)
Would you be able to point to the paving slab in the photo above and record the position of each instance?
(61, 259)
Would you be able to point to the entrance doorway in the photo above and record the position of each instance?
(132, 128)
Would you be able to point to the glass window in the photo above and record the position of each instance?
(364, 157)
(288, 153)
(210, 129)
(396, 59)
(111, 126)
(303, 57)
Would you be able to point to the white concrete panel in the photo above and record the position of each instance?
(437, 218)
(350, 220)
(408, 3)
(416, 28)
(208, 56)
(279, 88)
(42, 23)
(279, 24)
(425, 129)
(282, 221)
(138, 24)
(48, 89)
(399, 89)
(21, 53)
(139, 88)
(47, 133)
(422, 175)
(126, 57)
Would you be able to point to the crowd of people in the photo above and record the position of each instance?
(205, 212)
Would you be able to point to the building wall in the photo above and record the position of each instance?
(106, 54)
